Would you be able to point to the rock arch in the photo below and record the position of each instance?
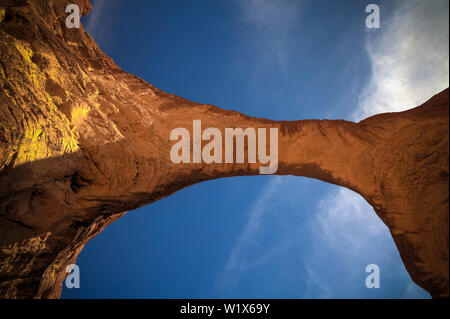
(83, 141)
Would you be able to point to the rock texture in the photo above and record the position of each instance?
(82, 142)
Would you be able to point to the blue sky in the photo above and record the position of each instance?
(264, 236)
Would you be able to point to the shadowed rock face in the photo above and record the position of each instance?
(82, 142)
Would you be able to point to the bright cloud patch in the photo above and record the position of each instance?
(409, 57)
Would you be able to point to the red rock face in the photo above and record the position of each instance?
(82, 142)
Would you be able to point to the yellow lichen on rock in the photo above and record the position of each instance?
(24, 49)
(35, 142)
(33, 146)
(2, 14)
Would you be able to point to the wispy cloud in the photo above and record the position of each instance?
(272, 21)
(237, 260)
(315, 287)
(323, 249)
(96, 17)
(342, 210)
(347, 230)
(409, 57)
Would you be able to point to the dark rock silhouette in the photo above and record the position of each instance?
(82, 142)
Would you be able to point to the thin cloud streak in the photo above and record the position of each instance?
(93, 26)
(236, 261)
(272, 22)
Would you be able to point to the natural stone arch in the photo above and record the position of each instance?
(83, 141)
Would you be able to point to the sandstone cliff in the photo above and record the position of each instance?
(82, 142)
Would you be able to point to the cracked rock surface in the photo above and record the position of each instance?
(82, 142)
